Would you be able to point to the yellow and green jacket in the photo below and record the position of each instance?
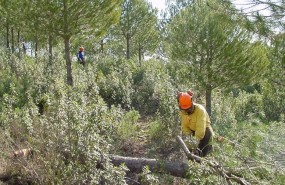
(197, 122)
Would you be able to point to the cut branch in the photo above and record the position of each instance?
(217, 167)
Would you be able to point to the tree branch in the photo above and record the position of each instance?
(218, 168)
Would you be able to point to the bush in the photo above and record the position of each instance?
(223, 116)
(274, 104)
(70, 140)
(128, 128)
(115, 82)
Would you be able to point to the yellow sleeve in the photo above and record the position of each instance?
(201, 125)
(185, 124)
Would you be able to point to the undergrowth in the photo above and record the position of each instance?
(127, 109)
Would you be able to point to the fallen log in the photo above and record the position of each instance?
(178, 169)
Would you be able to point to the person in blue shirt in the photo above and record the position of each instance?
(80, 56)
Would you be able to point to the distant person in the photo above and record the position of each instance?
(195, 121)
(80, 56)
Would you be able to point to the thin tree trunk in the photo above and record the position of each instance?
(19, 43)
(140, 53)
(7, 36)
(12, 40)
(128, 46)
(102, 46)
(67, 44)
(36, 48)
(18, 38)
(50, 48)
(24, 47)
(68, 62)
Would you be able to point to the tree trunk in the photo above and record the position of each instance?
(68, 61)
(24, 48)
(36, 48)
(50, 48)
(18, 40)
(128, 46)
(7, 36)
(209, 99)
(178, 169)
(140, 53)
(102, 46)
(19, 44)
(67, 43)
(12, 40)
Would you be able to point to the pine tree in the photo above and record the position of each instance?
(214, 49)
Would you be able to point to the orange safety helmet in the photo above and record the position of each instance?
(185, 100)
(81, 49)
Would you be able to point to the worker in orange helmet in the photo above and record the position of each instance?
(80, 56)
(195, 121)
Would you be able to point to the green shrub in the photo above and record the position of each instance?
(72, 138)
(274, 104)
(115, 83)
(248, 106)
(128, 126)
(223, 115)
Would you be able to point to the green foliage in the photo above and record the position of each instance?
(116, 83)
(156, 131)
(223, 116)
(274, 105)
(274, 91)
(249, 106)
(153, 88)
(248, 148)
(160, 137)
(128, 128)
(71, 138)
(249, 143)
(13, 84)
(74, 135)
(138, 26)
(144, 84)
(116, 102)
(213, 49)
(201, 174)
(146, 177)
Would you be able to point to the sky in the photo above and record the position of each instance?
(160, 5)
